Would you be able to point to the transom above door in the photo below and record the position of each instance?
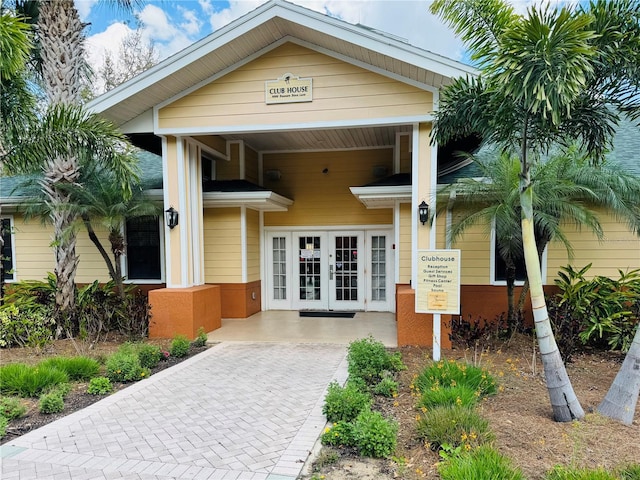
(329, 270)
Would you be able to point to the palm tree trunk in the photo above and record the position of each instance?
(60, 33)
(566, 406)
(621, 399)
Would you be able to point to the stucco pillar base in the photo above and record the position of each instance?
(182, 311)
(417, 328)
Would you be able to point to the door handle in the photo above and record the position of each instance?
(330, 272)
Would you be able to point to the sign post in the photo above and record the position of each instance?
(438, 288)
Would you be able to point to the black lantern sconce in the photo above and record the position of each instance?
(171, 216)
(423, 212)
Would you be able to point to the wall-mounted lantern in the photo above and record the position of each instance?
(171, 216)
(423, 212)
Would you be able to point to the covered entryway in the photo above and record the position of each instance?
(342, 269)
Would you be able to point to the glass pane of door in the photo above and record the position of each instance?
(346, 268)
(279, 255)
(309, 268)
(378, 268)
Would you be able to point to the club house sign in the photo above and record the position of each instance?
(438, 289)
(288, 88)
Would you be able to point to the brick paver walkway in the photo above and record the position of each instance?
(236, 411)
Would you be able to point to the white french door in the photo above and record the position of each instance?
(329, 270)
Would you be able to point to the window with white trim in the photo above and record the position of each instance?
(499, 267)
(7, 254)
(144, 249)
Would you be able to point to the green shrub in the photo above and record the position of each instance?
(480, 463)
(3, 426)
(201, 339)
(61, 389)
(11, 408)
(339, 435)
(25, 327)
(123, 366)
(461, 395)
(373, 435)
(99, 386)
(51, 403)
(453, 425)
(451, 373)
(387, 387)
(179, 346)
(77, 368)
(27, 381)
(630, 472)
(149, 355)
(369, 359)
(570, 473)
(344, 403)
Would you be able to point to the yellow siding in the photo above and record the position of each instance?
(253, 246)
(325, 198)
(441, 234)
(217, 143)
(35, 256)
(340, 91)
(405, 154)
(405, 243)
(251, 165)
(229, 170)
(475, 247)
(222, 245)
(620, 250)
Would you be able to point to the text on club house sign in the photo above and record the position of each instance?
(438, 289)
(289, 88)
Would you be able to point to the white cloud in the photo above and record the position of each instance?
(156, 23)
(192, 23)
(84, 8)
(100, 45)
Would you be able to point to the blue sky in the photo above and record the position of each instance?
(175, 24)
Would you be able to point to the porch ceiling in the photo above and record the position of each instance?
(329, 139)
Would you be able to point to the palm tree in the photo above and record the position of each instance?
(566, 188)
(546, 78)
(100, 200)
(62, 67)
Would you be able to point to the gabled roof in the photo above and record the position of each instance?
(261, 30)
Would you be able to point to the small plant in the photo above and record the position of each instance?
(26, 324)
(460, 395)
(3, 426)
(480, 463)
(179, 346)
(339, 435)
(27, 381)
(99, 386)
(123, 366)
(61, 389)
(630, 472)
(369, 359)
(344, 403)
(201, 338)
(453, 425)
(149, 355)
(76, 368)
(570, 473)
(387, 387)
(325, 458)
(373, 435)
(51, 403)
(11, 408)
(447, 452)
(451, 373)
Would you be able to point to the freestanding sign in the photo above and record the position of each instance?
(438, 289)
